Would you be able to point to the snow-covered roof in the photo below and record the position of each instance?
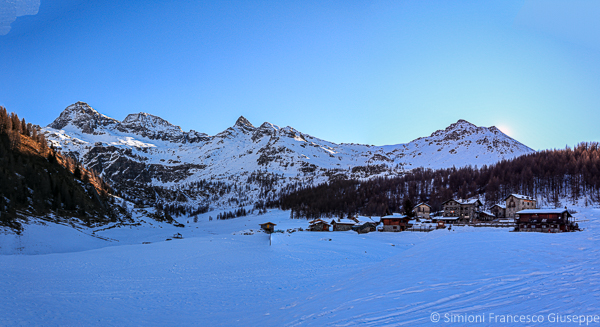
(463, 201)
(519, 196)
(316, 221)
(362, 222)
(421, 204)
(542, 211)
(343, 221)
(470, 201)
(445, 218)
(503, 206)
(395, 216)
(369, 219)
(487, 213)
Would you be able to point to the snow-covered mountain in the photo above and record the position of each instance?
(149, 159)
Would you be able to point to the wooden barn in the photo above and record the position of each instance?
(318, 225)
(342, 224)
(544, 220)
(395, 223)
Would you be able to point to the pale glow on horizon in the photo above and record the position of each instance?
(506, 130)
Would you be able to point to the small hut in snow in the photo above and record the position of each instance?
(268, 227)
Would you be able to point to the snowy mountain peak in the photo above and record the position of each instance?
(152, 127)
(148, 121)
(83, 117)
(243, 122)
(461, 124)
(460, 130)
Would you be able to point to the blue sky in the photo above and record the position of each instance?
(374, 72)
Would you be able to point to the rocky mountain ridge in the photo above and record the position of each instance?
(151, 160)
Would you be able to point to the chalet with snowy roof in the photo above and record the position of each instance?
(342, 224)
(499, 210)
(318, 225)
(268, 227)
(518, 202)
(545, 220)
(366, 225)
(465, 210)
(445, 220)
(422, 210)
(395, 223)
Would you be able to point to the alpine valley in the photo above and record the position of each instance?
(150, 161)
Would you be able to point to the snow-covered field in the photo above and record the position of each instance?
(216, 275)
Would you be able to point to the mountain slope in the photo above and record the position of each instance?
(151, 160)
(36, 181)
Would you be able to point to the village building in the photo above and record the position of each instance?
(366, 224)
(465, 210)
(518, 202)
(395, 223)
(268, 227)
(544, 220)
(445, 220)
(342, 224)
(486, 215)
(318, 225)
(422, 211)
(499, 210)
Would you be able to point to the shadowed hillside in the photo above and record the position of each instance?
(555, 177)
(35, 180)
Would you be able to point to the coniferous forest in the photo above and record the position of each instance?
(37, 180)
(554, 177)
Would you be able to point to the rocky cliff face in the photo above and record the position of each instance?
(82, 117)
(150, 160)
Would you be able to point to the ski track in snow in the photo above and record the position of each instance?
(217, 276)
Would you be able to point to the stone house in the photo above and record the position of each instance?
(422, 211)
(465, 210)
(518, 202)
(366, 225)
(499, 210)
